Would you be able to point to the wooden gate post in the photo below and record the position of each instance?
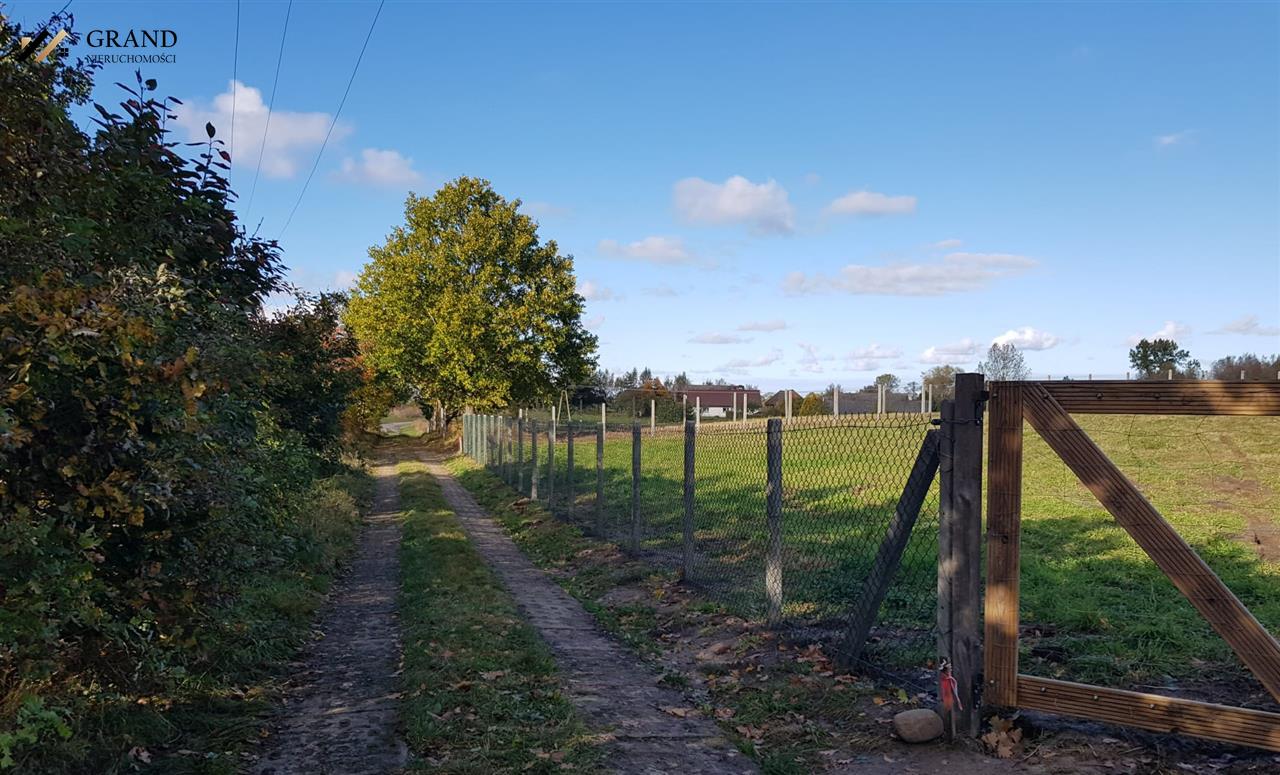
(690, 439)
(960, 551)
(634, 543)
(773, 519)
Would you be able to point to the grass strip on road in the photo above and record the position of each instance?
(482, 693)
(780, 706)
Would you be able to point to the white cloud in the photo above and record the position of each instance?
(1177, 138)
(866, 364)
(812, 360)
(1248, 325)
(1028, 338)
(345, 279)
(661, 290)
(947, 244)
(870, 203)
(377, 167)
(656, 249)
(773, 356)
(592, 291)
(763, 325)
(1171, 329)
(716, 338)
(594, 321)
(290, 138)
(874, 353)
(962, 350)
(764, 207)
(955, 273)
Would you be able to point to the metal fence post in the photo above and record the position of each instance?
(634, 543)
(653, 417)
(500, 439)
(960, 549)
(773, 519)
(551, 463)
(690, 439)
(520, 454)
(568, 479)
(533, 460)
(600, 479)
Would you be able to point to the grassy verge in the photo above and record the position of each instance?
(204, 705)
(482, 693)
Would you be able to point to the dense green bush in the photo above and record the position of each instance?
(156, 429)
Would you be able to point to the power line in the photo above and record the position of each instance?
(334, 123)
(270, 107)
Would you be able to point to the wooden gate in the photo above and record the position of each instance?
(1048, 407)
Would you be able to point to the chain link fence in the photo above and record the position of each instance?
(799, 560)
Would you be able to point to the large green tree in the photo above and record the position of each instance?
(1155, 358)
(464, 303)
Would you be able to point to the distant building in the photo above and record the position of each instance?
(779, 400)
(719, 400)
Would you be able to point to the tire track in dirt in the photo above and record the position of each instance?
(341, 712)
(614, 691)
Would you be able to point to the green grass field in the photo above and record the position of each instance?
(1094, 606)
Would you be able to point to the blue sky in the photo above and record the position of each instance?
(785, 194)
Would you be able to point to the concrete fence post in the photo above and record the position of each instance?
(697, 411)
(653, 417)
(773, 521)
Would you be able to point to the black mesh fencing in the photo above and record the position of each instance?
(801, 564)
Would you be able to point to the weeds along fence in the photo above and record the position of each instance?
(782, 520)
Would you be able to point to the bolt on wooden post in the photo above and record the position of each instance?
(960, 549)
(690, 439)
(634, 541)
(773, 520)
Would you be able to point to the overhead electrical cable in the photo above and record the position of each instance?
(271, 105)
(336, 114)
